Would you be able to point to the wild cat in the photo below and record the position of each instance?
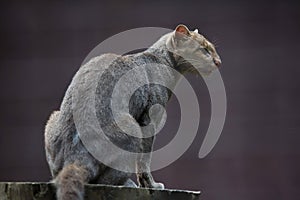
(71, 164)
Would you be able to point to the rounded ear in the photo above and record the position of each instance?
(174, 41)
(182, 29)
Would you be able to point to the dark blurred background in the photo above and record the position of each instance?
(42, 44)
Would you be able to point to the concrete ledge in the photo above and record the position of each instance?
(46, 191)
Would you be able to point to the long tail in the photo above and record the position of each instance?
(70, 183)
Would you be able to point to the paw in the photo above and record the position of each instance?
(158, 186)
(130, 183)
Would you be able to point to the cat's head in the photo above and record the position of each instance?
(194, 52)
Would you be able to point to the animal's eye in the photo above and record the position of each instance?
(207, 51)
(204, 50)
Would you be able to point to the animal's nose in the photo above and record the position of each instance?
(217, 62)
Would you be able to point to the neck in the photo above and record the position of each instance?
(160, 50)
(168, 58)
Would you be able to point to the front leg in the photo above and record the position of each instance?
(144, 176)
(143, 146)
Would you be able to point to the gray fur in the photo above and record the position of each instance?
(70, 163)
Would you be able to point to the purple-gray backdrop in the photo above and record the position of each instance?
(42, 44)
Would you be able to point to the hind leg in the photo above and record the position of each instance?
(79, 168)
(114, 177)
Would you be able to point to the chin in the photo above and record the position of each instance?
(204, 71)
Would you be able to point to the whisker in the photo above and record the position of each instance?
(215, 42)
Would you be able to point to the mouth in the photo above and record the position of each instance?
(203, 69)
